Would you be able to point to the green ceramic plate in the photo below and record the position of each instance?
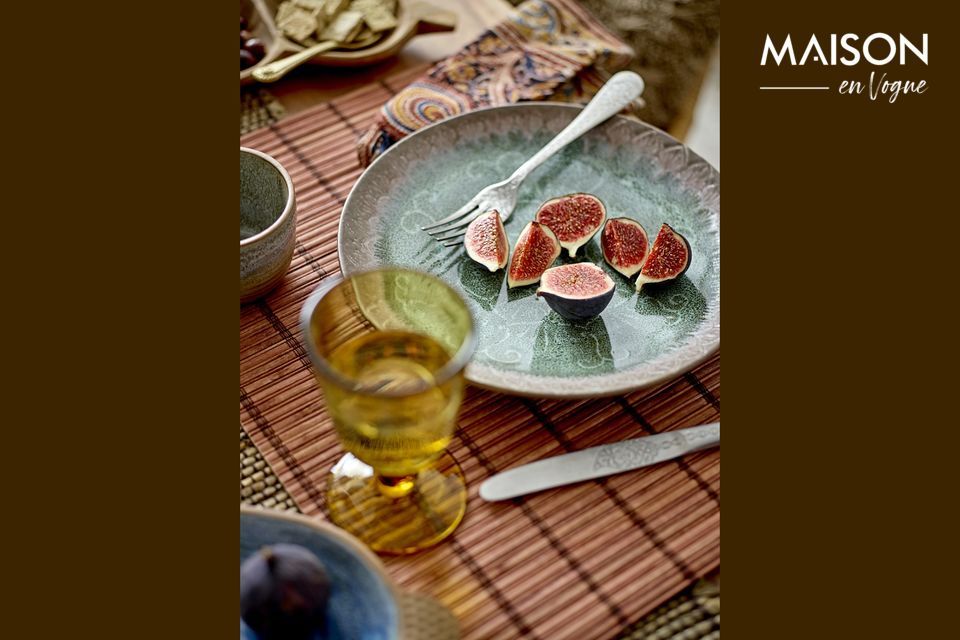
(525, 348)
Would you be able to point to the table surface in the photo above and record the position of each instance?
(313, 85)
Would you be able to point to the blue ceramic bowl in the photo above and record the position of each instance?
(363, 603)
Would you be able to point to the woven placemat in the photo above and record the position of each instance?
(585, 561)
(258, 108)
(259, 485)
(694, 614)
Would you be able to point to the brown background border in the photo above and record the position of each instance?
(119, 424)
(839, 332)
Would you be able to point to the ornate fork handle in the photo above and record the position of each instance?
(616, 94)
(277, 69)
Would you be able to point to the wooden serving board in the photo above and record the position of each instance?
(413, 18)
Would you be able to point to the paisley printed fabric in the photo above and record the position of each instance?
(548, 50)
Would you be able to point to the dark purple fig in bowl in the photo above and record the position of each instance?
(246, 59)
(574, 218)
(578, 291)
(256, 47)
(669, 258)
(486, 241)
(283, 593)
(624, 244)
(536, 249)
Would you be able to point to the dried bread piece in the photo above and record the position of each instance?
(361, 5)
(379, 19)
(378, 14)
(301, 20)
(284, 11)
(310, 5)
(321, 21)
(344, 28)
(300, 26)
(333, 7)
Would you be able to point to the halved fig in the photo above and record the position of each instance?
(536, 249)
(624, 244)
(578, 291)
(574, 218)
(486, 241)
(669, 258)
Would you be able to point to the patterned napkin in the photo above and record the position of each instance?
(548, 50)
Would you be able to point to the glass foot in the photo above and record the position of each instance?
(397, 516)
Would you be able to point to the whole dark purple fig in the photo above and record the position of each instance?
(255, 47)
(283, 593)
(246, 59)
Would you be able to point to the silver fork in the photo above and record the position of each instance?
(619, 91)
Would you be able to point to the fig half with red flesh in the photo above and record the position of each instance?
(669, 258)
(578, 291)
(486, 240)
(575, 218)
(536, 249)
(624, 244)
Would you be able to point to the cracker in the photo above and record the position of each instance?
(333, 7)
(321, 21)
(344, 27)
(363, 5)
(364, 34)
(379, 19)
(284, 11)
(310, 5)
(300, 26)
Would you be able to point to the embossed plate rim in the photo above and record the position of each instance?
(703, 343)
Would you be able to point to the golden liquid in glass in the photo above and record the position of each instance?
(397, 418)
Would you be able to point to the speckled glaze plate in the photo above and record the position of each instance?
(525, 348)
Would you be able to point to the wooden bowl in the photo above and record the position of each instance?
(413, 18)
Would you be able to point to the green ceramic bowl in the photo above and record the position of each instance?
(523, 347)
(267, 223)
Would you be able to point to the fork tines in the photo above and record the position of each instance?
(459, 218)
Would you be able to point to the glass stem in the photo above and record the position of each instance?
(396, 486)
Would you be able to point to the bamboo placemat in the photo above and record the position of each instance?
(585, 561)
(258, 108)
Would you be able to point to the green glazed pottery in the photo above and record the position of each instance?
(524, 348)
(267, 223)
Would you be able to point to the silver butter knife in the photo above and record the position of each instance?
(596, 462)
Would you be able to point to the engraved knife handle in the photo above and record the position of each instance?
(631, 454)
(597, 462)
